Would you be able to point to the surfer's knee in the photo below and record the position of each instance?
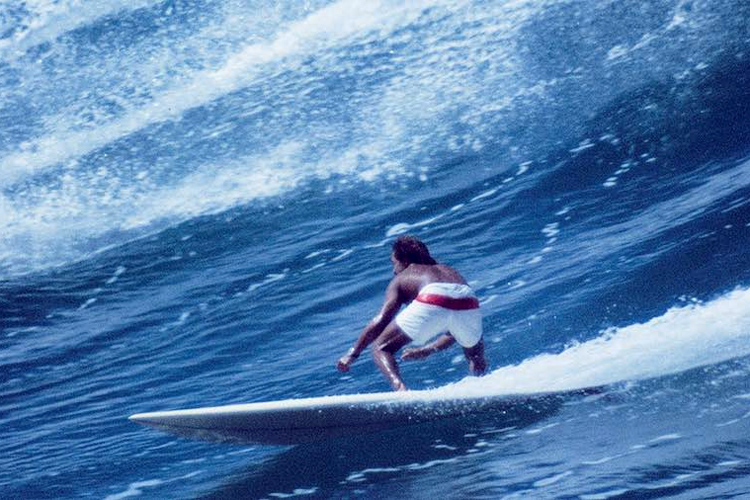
(376, 351)
(390, 342)
(380, 349)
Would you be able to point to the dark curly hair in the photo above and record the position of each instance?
(411, 250)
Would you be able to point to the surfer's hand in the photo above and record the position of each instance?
(345, 362)
(415, 353)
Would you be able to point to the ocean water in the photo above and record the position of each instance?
(197, 202)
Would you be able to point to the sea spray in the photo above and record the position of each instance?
(684, 337)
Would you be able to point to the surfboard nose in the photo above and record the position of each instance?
(139, 418)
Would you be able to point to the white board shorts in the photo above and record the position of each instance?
(441, 308)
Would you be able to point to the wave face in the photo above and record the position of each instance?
(197, 200)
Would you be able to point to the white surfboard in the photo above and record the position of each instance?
(295, 421)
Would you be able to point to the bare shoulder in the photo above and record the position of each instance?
(408, 283)
(416, 276)
(447, 274)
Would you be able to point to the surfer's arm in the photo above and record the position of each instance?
(375, 327)
(443, 342)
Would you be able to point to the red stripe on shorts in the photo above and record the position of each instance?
(462, 304)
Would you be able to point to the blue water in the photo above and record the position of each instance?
(197, 200)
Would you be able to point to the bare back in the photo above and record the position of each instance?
(417, 276)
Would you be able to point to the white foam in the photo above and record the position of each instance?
(604, 495)
(666, 437)
(135, 489)
(68, 218)
(404, 227)
(683, 338)
(47, 227)
(552, 479)
(271, 278)
(297, 492)
(729, 463)
(323, 29)
(485, 194)
(47, 20)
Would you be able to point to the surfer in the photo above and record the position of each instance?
(438, 302)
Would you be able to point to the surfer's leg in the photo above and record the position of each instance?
(385, 346)
(475, 357)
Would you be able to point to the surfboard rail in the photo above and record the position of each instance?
(302, 420)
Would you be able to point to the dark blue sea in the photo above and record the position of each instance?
(197, 203)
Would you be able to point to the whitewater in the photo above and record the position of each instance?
(197, 203)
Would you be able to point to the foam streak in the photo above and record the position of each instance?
(683, 338)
